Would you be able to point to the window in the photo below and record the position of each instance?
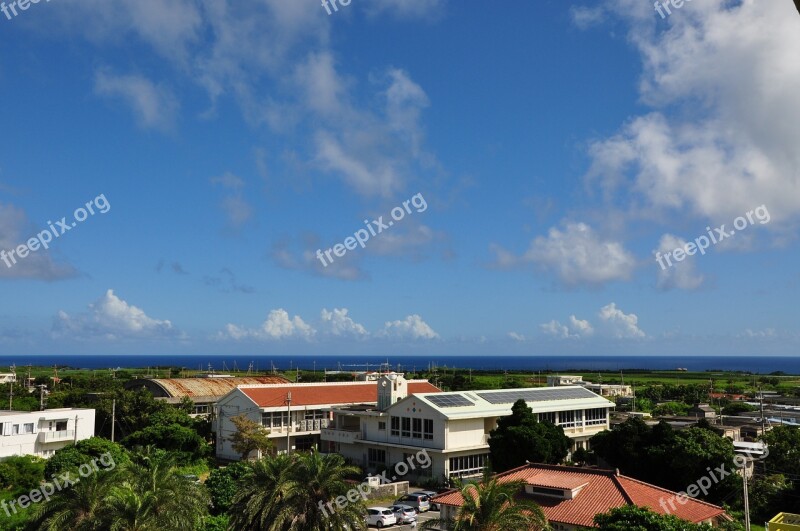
(61, 425)
(467, 464)
(396, 426)
(406, 427)
(15, 429)
(428, 431)
(382, 426)
(276, 419)
(547, 417)
(569, 419)
(596, 416)
(416, 431)
(314, 414)
(27, 428)
(376, 457)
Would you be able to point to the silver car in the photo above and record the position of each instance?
(405, 514)
(417, 500)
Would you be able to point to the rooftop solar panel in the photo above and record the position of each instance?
(536, 395)
(442, 400)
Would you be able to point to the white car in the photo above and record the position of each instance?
(380, 517)
(405, 514)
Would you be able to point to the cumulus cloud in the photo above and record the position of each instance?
(618, 323)
(15, 230)
(576, 328)
(722, 136)
(338, 323)
(154, 106)
(112, 318)
(278, 325)
(577, 255)
(681, 275)
(412, 327)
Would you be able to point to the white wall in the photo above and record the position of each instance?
(45, 437)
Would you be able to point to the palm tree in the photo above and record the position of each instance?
(291, 493)
(81, 508)
(491, 505)
(153, 496)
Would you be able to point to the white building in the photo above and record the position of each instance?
(559, 380)
(454, 427)
(41, 433)
(8, 377)
(294, 413)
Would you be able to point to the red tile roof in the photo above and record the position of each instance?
(326, 393)
(605, 490)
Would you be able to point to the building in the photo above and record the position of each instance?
(703, 411)
(41, 433)
(204, 392)
(296, 413)
(571, 496)
(8, 377)
(559, 380)
(454, 427)
(784, 522)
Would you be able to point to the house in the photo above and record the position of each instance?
(8, 377)
(703, 411)
(41, 433)
(295, 414)
(557, 380)
(203, 392)
(453, 427)
(571, 496)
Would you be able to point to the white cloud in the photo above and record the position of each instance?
(577, 328)
(722, 138)
(338, 323)
(680, 275)
(277, 326)
(586, 17)
(153, 106)
(112, 318)
(515, 336)
(16, 230)
(618, 323)
(577, 255)
(237, 210)
(408, 8)
(412, 327)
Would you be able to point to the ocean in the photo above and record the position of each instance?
(227, 363)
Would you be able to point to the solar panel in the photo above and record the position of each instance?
(442, 400)
(544, 394)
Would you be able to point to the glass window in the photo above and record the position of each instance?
(382, 426)
(396, 426)
(406, 427)
(416, 431)
(428, 431)
(27, 428)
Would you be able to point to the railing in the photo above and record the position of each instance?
(342, 436)
(56, 436)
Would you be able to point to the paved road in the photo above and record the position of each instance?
(423, 517)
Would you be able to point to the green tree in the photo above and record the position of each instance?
(283, 493)
(250, 436)
(71, 457)
(81, 508)
(21, 473)
(735, 408)
(633, 518)
(671, 408)
(223, 483)
(520, 437)
(492, 505)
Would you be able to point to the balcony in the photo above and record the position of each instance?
(56, 436)
(340, 436)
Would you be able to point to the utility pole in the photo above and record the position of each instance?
(41, 398)
(746, 502)
(11, 396)
(113, 417)
(289, 423)
(75, 435)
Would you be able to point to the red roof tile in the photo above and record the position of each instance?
(605, 490)
(326, 393)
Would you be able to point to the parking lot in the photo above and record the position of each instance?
(424, 517)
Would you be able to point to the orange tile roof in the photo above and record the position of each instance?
(326, 393)
(605, 490)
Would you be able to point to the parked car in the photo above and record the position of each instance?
(380, 517)
(430, 494)
(418, 501)
(405, 514)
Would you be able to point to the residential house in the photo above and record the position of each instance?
(41, 433)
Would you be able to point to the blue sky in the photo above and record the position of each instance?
(557, 146)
